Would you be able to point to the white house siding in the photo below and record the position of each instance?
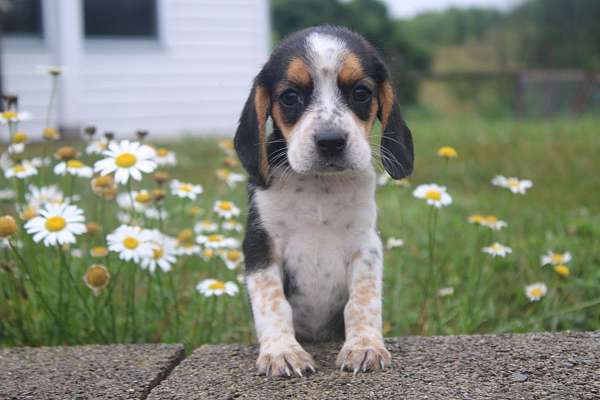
(193, 79)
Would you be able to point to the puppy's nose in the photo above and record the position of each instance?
(330, 143)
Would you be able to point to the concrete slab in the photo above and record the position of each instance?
(85, 372)
(527, 366)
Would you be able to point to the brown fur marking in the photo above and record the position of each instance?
(351, 70)
(261, 104)
(297, 72)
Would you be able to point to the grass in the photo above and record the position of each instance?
(44, 301)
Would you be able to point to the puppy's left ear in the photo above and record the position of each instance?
(396, 140)
(250, 138)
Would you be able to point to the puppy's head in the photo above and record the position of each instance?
(323, 88)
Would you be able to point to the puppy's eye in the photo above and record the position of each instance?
(289, 97)
(361, 93)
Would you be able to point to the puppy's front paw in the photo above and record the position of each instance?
(362, 354)
(284, 358)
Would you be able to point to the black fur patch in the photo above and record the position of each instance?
(256, 247)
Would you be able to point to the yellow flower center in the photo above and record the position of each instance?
(20, 137)
(55, 224)
(143, 197)
(223, 173)
(216, 285)
(556, 258)
(490, 219)
(536, 292)
(99, 251)
(233, 255)
(562, 270)
(433, 195)
(162, 152)
(19, 168)
(208, 253)
(75, 164)
(194, 211)
(9, 115)
(225, 205)
(476, 218)
(126, 160)
(215, 238)
(512, 183)
(157, 252)
(8, 226)
(185, 187)
(447, 152)
(130, 242)
(496, 247)
(96, 276)
(185, 236)
(50, 134)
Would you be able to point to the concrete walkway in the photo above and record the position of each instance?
(528, 366)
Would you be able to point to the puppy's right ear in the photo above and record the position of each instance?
(250, 137)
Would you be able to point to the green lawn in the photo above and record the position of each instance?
(46, 302)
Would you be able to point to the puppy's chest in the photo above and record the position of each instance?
(316, 225)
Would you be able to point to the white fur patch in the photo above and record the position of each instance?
(316, 224)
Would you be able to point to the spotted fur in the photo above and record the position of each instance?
(313, 257)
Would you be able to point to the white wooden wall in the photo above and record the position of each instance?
(194, 79)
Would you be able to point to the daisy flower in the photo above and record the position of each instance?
(447, 152)
(154, 213)
(383, 179)
(226, 209)
(205, 226)
(553, 258)
(216, 241)
(489, 221)
(185, 190)
(230, 178)
(98, 252)
(8, 226)
(141, 200)
(20, 137)
(14, 116)
(97, 146)
(227, 146)
(56, 224)
(232, 225)
(213, 287)
(515, 185)
(7, 194)
(562, 270)
(165, 157)
(536, 291)
(38, 196)
(73, 167)
(497, 250)
(96, 278)
(131, 242)
(16, 148)
(445, 291)
(21, 170)
(434, 194)
(163, 253)
(207, 254)
(126, 159)
(232, 258)
(394, 242)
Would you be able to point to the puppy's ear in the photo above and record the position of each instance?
(396, 140)
(250, 140)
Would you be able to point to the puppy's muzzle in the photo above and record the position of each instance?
(331, 143)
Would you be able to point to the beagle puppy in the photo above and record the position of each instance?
(313, 255)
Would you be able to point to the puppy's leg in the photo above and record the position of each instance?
(280, 352)
(364, 349)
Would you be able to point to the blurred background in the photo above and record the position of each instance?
(185, 66)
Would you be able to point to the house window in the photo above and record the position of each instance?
(23, 17)
(120, 18)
